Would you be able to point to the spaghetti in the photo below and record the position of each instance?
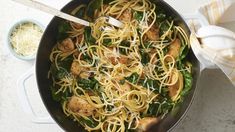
(118, 79)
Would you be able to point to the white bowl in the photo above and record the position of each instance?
(9, 46)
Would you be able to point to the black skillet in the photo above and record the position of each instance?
(54, 108)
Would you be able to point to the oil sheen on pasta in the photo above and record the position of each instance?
(113, 79)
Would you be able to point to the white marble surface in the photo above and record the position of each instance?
(212, 110)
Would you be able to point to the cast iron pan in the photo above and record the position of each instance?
(54, 108)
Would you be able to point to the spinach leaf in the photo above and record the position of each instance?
(188, 82)
(133, 78)
(92, 6)
(87, 58)
(138, 15)
(161, 17)
(153, 108)
(89, 122)
(107, 42)
(81, 12)
(164, 26)
(107, 1)
(64, 68)
(60, 73)
(87, 84)
(124, 43)
(183, 51)
(63, 28)
(166, 107)
(61, 96)
(88, 37)
(162, 106)
(149, 83)
(145, 58)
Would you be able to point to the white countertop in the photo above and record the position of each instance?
(212, 110)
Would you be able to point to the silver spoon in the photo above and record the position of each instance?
(45, 8)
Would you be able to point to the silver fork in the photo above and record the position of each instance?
(45, 8)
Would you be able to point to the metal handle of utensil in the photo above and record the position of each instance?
(42, 7)
(24, 99)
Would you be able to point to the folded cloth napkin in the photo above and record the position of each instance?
(215, 46)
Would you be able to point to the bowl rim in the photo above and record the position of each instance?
(9, 32)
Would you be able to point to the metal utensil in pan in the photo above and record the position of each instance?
(43, 65)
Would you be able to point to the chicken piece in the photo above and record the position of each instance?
(122, 60)
(153, 33)
(76, 69)
(126, 16)
(175, 89)
(84, 75)
(76, 54)
(174, 50)
(66, 45)
(146, 122)
(81, 106)
(80, 38)
(113, 60)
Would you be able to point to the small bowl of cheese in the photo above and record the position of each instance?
(24, 38)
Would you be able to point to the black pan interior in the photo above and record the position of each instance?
(43, 65)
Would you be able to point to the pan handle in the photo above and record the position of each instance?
(196, 16)
(24, 99)
(202, 22)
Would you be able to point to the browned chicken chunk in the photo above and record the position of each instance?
(84, 74)
(122, 60)
(175, 89)
(76, 69)
(126, 16)
(146, 123)
(153, 33)
(81, 106)
(66, 45)
(174, 49)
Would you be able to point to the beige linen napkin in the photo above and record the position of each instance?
(215, 46)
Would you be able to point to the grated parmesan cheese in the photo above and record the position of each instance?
(25, 38)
